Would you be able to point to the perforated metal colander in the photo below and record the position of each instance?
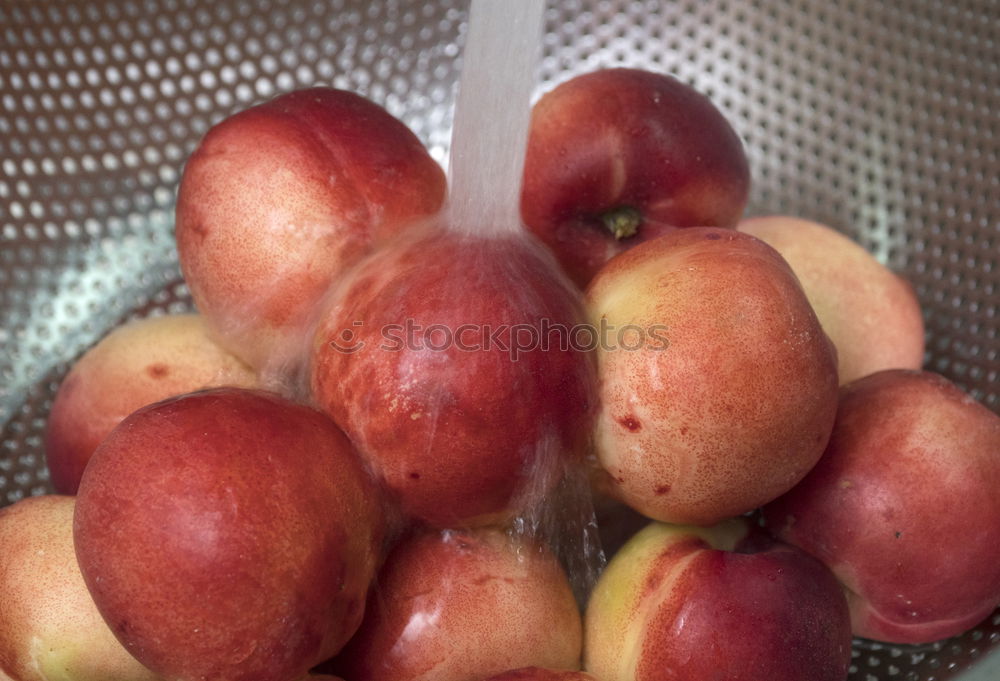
(879, 118)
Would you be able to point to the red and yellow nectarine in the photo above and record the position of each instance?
(278, 200)
(680, 603)
(136, 364)
(49, 626)
(870, 313)
(719, 388)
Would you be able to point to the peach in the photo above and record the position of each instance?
(50, 629)
(620, 156)
(136, 364)
(718, 387)
(870, 313)
(278, 200)
(228, 535)
(459, 605)
(679, 603)
(903, 507)
(443, 359)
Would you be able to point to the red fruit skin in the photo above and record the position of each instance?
(772, 615)
(458, 605)
(727, 602)
(228, 535)
(460, 437)
(903, 507)
(627, 138)
(279, 199)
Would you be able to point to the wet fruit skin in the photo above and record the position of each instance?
(466, 431)
(903, 507)
(455, 605)
(679, 603)
(278, 200)
(228, 535)
(617, 157)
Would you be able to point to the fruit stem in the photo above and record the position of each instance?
(622, 222)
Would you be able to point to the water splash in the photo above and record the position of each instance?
(492, 114)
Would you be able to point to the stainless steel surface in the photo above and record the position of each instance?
(879, 118)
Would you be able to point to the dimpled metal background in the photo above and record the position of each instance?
(878, 118)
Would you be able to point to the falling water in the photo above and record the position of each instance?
(490, 132)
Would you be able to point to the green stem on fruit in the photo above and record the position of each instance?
(622, 222)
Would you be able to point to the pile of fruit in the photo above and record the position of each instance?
(381, 449)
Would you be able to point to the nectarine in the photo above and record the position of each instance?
(50, 628)
(681, 603)
(280, 199)
(718, 386)
(228, 535)
(620, 156)
(870, 313)
(136, 364)
(904, 508)
(436, 358)
(458, 605)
